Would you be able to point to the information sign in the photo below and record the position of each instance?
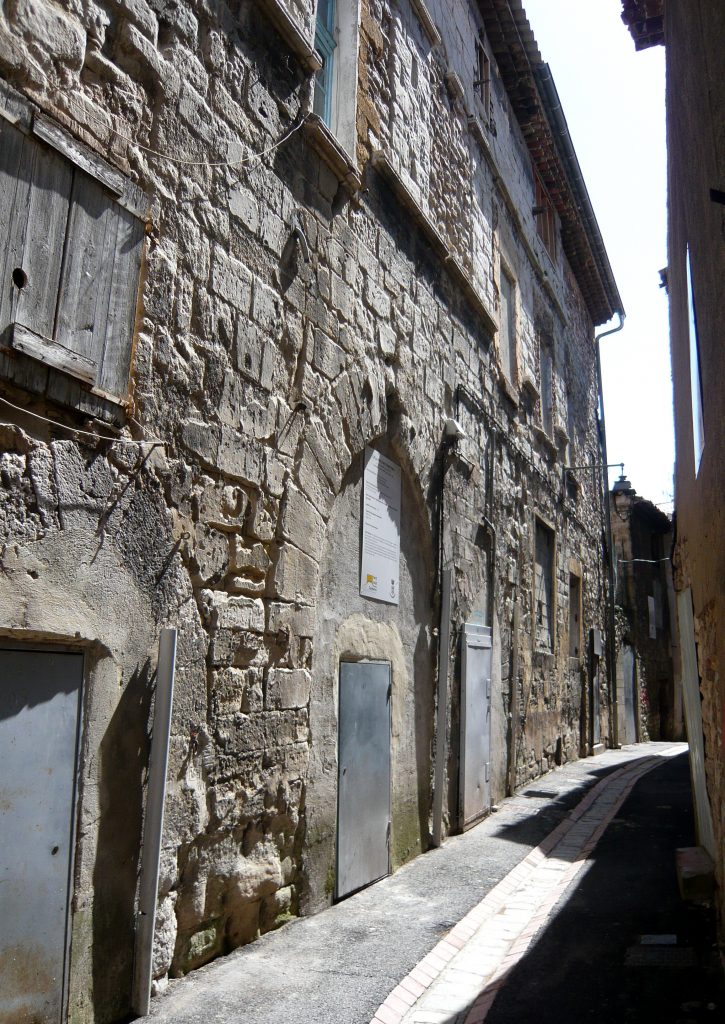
(380, 560)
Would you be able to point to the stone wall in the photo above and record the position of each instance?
(263, 375)
(696, 150)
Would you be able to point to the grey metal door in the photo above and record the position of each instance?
(39, 716)
(630, 722)
(363, 791)
(475, 770)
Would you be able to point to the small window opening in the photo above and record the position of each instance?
(482, 80)
(325, 45)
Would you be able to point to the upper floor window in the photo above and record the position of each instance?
(545, 217)
(507, 329)
(546, 368)
(482, 81)
(325, 45)
(333, 124)
(70, 264)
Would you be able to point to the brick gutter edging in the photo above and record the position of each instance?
(404, 996)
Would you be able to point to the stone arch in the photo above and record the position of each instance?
(351, 627)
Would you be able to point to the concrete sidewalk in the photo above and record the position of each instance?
(434, 942)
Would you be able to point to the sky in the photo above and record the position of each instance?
(614, 102)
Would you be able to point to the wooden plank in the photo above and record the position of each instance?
(121, 316)
(77, 153)
(44, 240)
(23, 372)
(66, 391)
(14, 107)
(52, 354)
(16, 158)
(87, 268)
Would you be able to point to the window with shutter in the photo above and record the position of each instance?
(70, 266)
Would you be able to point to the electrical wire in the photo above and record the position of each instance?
(185, 161)
(76, 430)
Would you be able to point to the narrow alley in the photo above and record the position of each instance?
(562, 906)
(340, 680)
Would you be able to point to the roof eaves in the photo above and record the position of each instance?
(645, 21)
(533, 96)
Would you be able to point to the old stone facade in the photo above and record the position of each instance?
(696, 263)
(214, 302)
(649, 676)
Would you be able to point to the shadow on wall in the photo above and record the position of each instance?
(124, 755)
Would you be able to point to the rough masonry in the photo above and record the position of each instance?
(305, 290)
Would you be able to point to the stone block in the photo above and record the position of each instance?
(243, 924)
(284, 728)
(327, 356)
(313, 483)
(202, 439)
(287, 688)
(324, 452)
(139, 12)
(266, 308)
(301, 523)
(59, 37)
(240, 457)
(164, 936)
(231, 280)
(244, 205)
(298, 619)
(251, 558)
(209, 554)
(204, 945)
(221, 611)
(277, 909)
(295, 575)
(147, 63)
(387, 341)
(254, 356)
(222, 506)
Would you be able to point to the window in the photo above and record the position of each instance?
(70, 264)
(544, 587)
(545, 217)
(325, 45)
(482, 80)
(335, 100)
(698, 423)
(546, 368)
(575, 628)
(507, 329)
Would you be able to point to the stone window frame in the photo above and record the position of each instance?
(483, 75)
(542, 524)
(336, 141)
(545, 216)
(510, 383)
(546, 385)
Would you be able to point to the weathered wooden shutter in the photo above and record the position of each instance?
(71, 268)
(98, 288)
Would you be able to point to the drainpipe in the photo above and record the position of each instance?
(611, 639)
